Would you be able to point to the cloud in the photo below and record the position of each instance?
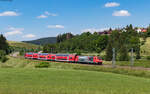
(14, 31)
(121, 13)
(29, 36)
(112, 4)
(92, 30)
(46, 14)
(50, 14)
(42, 16)
(9, 13)
(56, 26)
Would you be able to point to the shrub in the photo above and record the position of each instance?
(2, 53)
(78, 52)
(4, 59)
(148, 57)
(103, 57)
(42, 65)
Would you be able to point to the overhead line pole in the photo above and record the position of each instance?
(114, 59)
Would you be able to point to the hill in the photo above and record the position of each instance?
(42, 41)
(22, 45)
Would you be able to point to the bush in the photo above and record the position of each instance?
(2, 53)
(148, 57)
(42, 65)
(103, 57)
(78, 52)
(21, 53)
(4, 59)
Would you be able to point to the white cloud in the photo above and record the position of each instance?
(29, 36)
(56, 26)
(46, 14)
(14, 31)
(121, 13)
(50, 14)
(92, 30)
(42, 16)
(112, 4)
(9, 13)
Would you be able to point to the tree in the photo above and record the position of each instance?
(49, 48)
(63, 37)
(109, 51)
(135, 44)
(123, 53)
(101, 43)
(3, 44)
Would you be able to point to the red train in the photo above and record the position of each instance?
(65, 58)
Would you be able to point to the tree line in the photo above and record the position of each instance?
(86, 42)
(123, 40)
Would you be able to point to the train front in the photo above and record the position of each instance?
(98, 60)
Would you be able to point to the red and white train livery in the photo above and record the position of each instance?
(65, 58)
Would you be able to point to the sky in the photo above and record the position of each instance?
(22, 20)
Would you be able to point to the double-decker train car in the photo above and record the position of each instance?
(28, 55)
(51, 57)
(42, 56)
(65, 58)
(35, 55)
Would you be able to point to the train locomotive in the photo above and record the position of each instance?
(71, 58)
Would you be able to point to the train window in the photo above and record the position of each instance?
(71, 58)
(53, 56)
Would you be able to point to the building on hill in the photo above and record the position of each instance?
(69, 36)
(141, 30)
(106, 32)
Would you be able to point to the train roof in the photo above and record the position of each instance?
(29, 53)
(43, 53)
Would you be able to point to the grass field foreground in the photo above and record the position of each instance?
(60, 81)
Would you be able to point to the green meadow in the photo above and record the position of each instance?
(19, 76)
(63, 81)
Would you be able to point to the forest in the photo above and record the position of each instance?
(123, 40)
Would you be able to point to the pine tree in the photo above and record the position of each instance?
(3, 44)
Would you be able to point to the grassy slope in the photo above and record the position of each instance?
(22, 44)
(43, 41)
(58, 81)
